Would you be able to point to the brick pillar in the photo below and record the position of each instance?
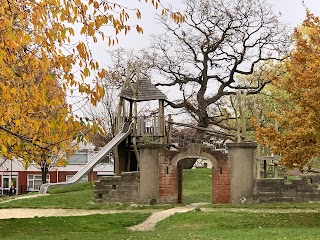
(180, 181)
(221, 182)
(168, 183)
(168, 178)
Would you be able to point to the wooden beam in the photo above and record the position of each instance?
(202, 129)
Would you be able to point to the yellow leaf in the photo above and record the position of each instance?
(13, 91)
(4, 149)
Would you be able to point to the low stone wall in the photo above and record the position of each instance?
(123, 188)
(279, 190)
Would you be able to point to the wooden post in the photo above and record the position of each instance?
(258, 165)
(134, 137)
(241, 95)
(235, 109)
(161, 121)
(119, 122)
(130, 112)
(259, 148)
(275, 170)
(315, 162)
(265, 168)
(169, 137)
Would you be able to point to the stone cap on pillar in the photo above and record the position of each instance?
(242, 145)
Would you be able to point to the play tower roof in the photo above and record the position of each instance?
(144, 91)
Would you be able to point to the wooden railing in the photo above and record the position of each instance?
(267, 167)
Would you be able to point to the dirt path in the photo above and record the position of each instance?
(22, 197)
(147, 225)
(31, 213)
(37, 212)
(150, 223)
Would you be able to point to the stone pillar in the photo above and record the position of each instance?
(149, 174)
(242, 159)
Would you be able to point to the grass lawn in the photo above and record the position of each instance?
(242, 225)
(197, 224)
(271, 205)
(197, 185)
(192, 225)
(79, 196)
(112, 226)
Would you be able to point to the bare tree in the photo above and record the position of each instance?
(208, 56)
(104, 113)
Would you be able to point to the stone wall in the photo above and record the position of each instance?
(281, 190)
(123, 188)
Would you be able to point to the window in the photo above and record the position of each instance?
(5, 183)
(78, 158)
(84, 179)
(35, 182)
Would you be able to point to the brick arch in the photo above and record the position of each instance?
(170, 173)
(184, 155)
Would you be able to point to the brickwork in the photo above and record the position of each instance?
(123, 188)
(170, 187)
(168, 181)
(221, 182)
(280, 190)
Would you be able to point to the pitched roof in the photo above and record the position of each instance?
(146, 91)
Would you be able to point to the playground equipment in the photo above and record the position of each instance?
(146, 166)
(148, 169)
(127, 153)
(93, 162)
(137, 89)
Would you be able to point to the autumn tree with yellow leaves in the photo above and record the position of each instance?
(38, 59)
(294, 131)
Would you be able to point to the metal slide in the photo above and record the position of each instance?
(93, 162)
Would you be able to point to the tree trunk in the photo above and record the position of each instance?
(44, 171)
(204, 123)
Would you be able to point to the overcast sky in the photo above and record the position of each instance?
(292, 13)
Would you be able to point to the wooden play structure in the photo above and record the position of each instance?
(146, 164)
(144, 129)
